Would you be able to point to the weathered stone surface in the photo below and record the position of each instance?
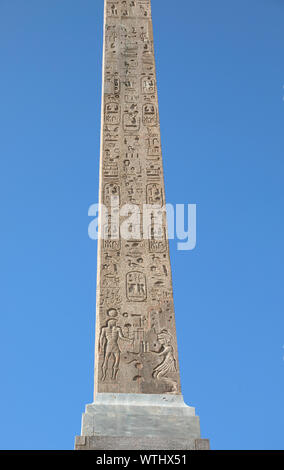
(136, 349)
(132, 443)
(157, 416)
(202, 444)
(140, 421)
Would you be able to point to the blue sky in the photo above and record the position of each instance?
(220, 78)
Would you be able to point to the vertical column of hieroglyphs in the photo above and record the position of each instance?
(136, 350)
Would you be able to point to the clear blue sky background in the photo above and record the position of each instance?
(221, 74)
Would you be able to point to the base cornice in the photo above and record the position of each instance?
(140, 422)
(143, 443)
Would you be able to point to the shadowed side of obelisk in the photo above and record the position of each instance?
(138, 402)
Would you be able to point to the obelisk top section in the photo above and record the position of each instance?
(136, 348)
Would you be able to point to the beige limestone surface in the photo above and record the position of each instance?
(136, 347)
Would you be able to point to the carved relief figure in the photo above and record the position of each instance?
(108, 346)
(112, 113)
(157, 239)
(144, 8)
(153, 170)
(131, 120)
(111, 135)
(168, 363)
(128, 8)
(111, 153)
(110, 296)
(149, 115)
(112, 9)
(154, 146)
(148, 85)
(154, 194)
(136, 286)
(111, 236)
(112, 85)
(111, 191)
(131, 49)
(111, 171)
(134, 249)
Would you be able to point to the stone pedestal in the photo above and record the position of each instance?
(140, 422)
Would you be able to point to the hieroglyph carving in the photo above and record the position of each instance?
(135, 343)
(136, 286)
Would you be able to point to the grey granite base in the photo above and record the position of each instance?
(140, 422)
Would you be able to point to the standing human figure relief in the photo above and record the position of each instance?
(108, 346)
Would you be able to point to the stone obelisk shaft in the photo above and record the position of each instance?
(136, 350)
(138, 402)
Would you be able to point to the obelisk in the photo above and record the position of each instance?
(137, 401)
